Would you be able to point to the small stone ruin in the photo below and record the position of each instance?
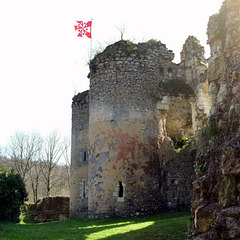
(52, 209)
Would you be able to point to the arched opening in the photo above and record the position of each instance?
(120, 192)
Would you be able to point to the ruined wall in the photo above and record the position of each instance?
(193, 62)
(216, 202)
(140, 105)
(177, 179)
(176, 166)
(124, 128)
(50, 209)
(194, 70)
(79, 155)
(181, 108)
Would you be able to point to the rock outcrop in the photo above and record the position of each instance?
(216, 200)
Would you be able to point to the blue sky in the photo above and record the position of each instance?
(43, 62)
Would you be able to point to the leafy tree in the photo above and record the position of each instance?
(12, 195)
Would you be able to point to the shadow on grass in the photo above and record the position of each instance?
(157, 227)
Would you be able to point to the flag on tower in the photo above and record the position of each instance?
(84, 29)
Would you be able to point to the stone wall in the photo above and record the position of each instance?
(177, 179)
(216, 201)
(52, 209)
(193, 62)
(176, 165)
(79, 155)
(194, 70)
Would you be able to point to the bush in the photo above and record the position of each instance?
(27, 213)
(12, 195)
(183, 143)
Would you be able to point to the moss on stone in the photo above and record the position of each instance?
(174, 87)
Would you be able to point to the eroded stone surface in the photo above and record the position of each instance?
(219, 161)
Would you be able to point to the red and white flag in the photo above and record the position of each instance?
(84, 29)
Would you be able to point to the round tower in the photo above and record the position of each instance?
(124, 169)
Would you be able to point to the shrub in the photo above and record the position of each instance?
(183, 143)
(12, 195)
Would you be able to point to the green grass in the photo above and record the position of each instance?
(164, 227)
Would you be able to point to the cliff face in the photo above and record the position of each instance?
(216, 197)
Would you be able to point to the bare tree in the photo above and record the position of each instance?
(67, 159)
(53, 151)
(23, 149)
(122, 30)
(44, 164)
(35, 176)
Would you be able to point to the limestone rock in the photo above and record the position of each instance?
(212, 234)
(204, 217)
(222, 153)
(227, 192)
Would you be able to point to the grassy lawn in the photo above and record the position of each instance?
(164, 227)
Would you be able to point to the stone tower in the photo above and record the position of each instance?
(123, 128)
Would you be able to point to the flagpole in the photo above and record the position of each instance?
(91, 41)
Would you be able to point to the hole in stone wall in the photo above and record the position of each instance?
(84, 189)
(120, 193)
(84, 156)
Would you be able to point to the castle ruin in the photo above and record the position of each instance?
(126, 130)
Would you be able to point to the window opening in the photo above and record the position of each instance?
(84, 189)
(84, 156)
(120, 193)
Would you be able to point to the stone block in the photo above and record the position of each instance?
(212, 234)
(204, 216)
(227, 191)
(162, 106)
(233, 228)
